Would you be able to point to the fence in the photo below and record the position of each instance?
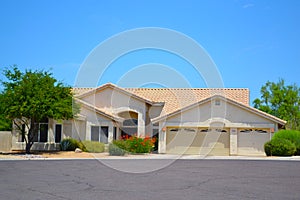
(5, 141)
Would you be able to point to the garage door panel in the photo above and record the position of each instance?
(180, 141)
(252, 143)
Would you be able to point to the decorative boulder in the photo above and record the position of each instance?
(77, 150)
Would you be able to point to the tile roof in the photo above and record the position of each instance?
(80, 90)
(177, 98)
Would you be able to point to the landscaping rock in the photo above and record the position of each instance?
(77, 150)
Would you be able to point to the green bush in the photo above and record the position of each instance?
(291, 135)
(93, 146)
(70, 144)
(117, 148)
(139, 145)
(279, 147)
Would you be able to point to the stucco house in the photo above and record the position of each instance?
(185, 120)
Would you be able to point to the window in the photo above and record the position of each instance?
(189, 130)
(130, 122)
(95, 133)
(58, 128)
(246, 131)
(42, 135)
(99, 133)
(217, 102)
(115, 133)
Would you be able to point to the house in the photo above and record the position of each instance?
(185, 120)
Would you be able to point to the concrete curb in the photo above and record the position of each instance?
(156, 157)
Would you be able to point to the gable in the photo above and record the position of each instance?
(226, 109)
(109, 98)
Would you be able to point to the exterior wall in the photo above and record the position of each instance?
(114, 101)
(93, 119)
(5, 141)
(227, 115)
(50, 145)
(231, 114)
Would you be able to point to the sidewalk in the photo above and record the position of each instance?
(83, 155)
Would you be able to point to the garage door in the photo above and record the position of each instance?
(251, 141)
(202, 141)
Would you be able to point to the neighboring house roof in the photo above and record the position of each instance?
(178, 98)
(238, 104)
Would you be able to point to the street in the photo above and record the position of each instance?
(183, 179)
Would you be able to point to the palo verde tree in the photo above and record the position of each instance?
(28, 98)
(282, 101)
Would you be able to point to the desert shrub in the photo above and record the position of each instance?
(291, 135)
(93, 146)
(279, 147)
(139, 145)
(117, 148)
(70, 144)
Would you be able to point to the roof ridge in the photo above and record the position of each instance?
(186, 88)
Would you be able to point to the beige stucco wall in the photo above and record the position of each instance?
(115, 102)
(228, 111)
(5, 141)
(228, 115)
(109, 99)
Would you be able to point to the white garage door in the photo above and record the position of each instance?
(251, 141)
(202, 141)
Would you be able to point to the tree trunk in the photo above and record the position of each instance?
(28, 147)
(33, 130)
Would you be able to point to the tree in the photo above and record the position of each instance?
(282, 101)
(33, 96)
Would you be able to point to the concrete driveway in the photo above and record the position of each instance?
(182, 179)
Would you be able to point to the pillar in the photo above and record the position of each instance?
(233, 141)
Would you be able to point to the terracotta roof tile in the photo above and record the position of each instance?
(177, 98)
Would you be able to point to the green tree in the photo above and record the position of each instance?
(282, 101)
(5, 123)
(33, 96)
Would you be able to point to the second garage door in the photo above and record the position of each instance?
(200, 141)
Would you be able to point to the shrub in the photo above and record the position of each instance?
(279, 147)
(70, 144)
(291, 135)
(140, 145)
(93, 146)
(117, 148)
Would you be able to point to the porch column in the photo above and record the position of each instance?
(162, 139)
(110, 133)
(51, 136)
(141, 125)
(233, 141)
(88, 131)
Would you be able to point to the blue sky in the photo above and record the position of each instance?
(250, 42)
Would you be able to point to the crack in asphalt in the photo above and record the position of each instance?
(49, 193)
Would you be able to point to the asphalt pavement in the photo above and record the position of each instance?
(124, 179)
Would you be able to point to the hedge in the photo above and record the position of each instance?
(93, 146)
(291, 135)
(70, 144)
(280, 147)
